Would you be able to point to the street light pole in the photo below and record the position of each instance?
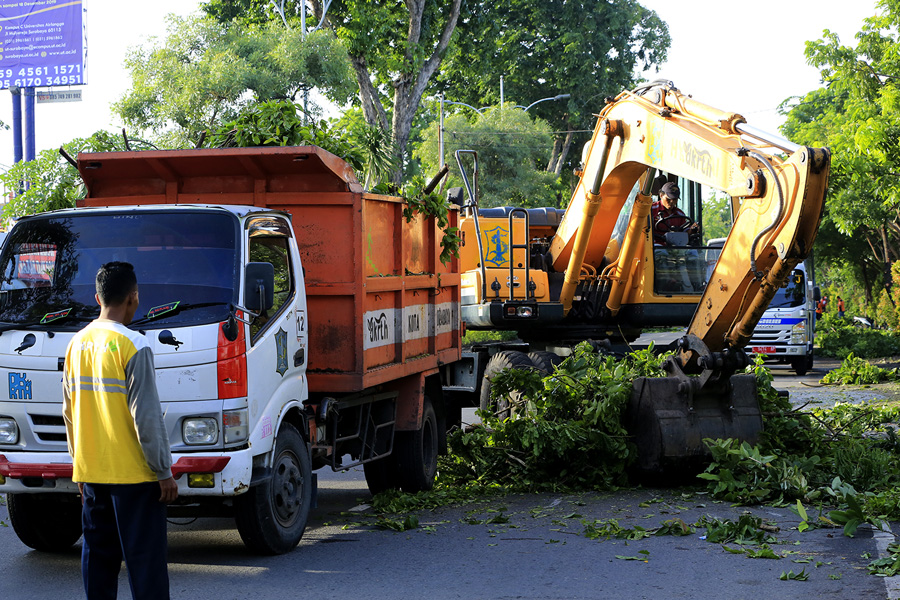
(559, 97)
(441, 135)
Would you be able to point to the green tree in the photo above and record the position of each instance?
(205, 71)
(50, 182)
(511, 146)
(856, 115)
(394, 48)
(589, 49)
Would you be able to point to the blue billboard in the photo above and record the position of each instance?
(42, 43)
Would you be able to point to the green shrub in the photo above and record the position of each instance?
(856, 371)
(837, 338)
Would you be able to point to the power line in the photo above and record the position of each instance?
(516, 132)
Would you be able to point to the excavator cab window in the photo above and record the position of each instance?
(682, 235)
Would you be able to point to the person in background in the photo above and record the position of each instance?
(119, 446)
(840, 302)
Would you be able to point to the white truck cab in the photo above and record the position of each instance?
(786, 331)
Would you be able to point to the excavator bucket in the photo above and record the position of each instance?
(669, 420)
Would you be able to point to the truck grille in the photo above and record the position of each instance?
(48, 428)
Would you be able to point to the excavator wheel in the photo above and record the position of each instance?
(506, 359)
(544, 361)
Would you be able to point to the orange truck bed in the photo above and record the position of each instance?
(381, 306)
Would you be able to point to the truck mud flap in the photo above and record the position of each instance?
(669, 421)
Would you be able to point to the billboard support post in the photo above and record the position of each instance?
(29, 124)
(17, 123)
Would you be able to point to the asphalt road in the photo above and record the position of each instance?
(523, 546)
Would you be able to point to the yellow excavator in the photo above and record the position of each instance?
(603, 270)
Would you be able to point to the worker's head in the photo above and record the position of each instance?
(117, 289)
(669, 194)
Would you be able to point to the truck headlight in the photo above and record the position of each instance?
(9, 431)
(236, 424)
(798, 333)
(200, 430)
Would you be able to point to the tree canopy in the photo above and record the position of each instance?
(205, 71)
(512, 147)
(588, 49)
(856, 115)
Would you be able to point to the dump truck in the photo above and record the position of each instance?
(296, 321)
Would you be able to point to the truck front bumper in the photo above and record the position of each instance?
(213, 474)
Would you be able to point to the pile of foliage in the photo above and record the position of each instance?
(856, 371)
(566, 433)
(842, 459)
(837, 337)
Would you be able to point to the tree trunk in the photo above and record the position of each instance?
(373, 111)
(570, 135)
(409, 87)
(554, 154)
(867, 284)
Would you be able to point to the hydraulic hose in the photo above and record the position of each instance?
(777, 218)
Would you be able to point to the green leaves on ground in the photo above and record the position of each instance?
(888, 566)
(791, 576)
(747, 530)
(856, 371)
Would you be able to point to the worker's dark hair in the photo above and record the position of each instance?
(115, 280)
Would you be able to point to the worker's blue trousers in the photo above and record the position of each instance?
(124, 521)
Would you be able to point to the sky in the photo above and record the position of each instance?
(744, 57)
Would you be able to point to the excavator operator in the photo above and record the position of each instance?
(666, 216)
(677, 270)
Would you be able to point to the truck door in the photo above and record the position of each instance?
(276, 359)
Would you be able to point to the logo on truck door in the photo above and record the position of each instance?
(281, 351)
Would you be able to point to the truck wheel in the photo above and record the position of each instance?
(507, 359)
(382, 475)
(271, 516)
(45, 522)
(801, 365)
(545, 362)
(417, 453)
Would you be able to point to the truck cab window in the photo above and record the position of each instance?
(274, 250)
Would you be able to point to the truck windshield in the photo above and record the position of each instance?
(793, 294)
(49, 265)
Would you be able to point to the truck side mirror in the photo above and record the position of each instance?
(817, 295)
(259, 286)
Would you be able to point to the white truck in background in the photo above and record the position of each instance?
(786, 330)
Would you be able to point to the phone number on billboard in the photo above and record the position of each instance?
(41, 76)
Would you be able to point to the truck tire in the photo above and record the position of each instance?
(271, 516)
(802, 364)
(382, 474)
(45, 522)
(545, 362)
(417, 452)
(507, 359)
